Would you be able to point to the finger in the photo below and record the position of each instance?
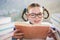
(19, 34)
(18, 37)
(17, 30)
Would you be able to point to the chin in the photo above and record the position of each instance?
(36, 22)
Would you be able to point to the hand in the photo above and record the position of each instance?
(18, 34)
(51, 33)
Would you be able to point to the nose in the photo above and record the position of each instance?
(37, 17)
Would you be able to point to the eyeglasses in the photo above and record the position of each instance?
(33, 15)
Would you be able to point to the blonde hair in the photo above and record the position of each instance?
(34, 5)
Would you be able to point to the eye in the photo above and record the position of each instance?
(32, 14)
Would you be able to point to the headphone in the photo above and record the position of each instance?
(25, 10)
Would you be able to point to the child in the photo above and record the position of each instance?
(34, 14)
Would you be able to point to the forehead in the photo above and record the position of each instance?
(35, 10)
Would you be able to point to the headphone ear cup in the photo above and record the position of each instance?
(45, 10)
(23, 14)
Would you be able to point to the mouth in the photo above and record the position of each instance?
(37, 21)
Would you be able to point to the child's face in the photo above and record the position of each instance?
(35, 15)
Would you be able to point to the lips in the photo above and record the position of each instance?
(37, 21)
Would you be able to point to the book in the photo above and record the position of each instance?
(4, 32)
(4, 20)
(57, 15)
(5, 37)
(33, 31)
(6, 26)
(55, 19)
(55, 23)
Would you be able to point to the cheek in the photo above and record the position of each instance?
(41, 17)
(31, 19)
